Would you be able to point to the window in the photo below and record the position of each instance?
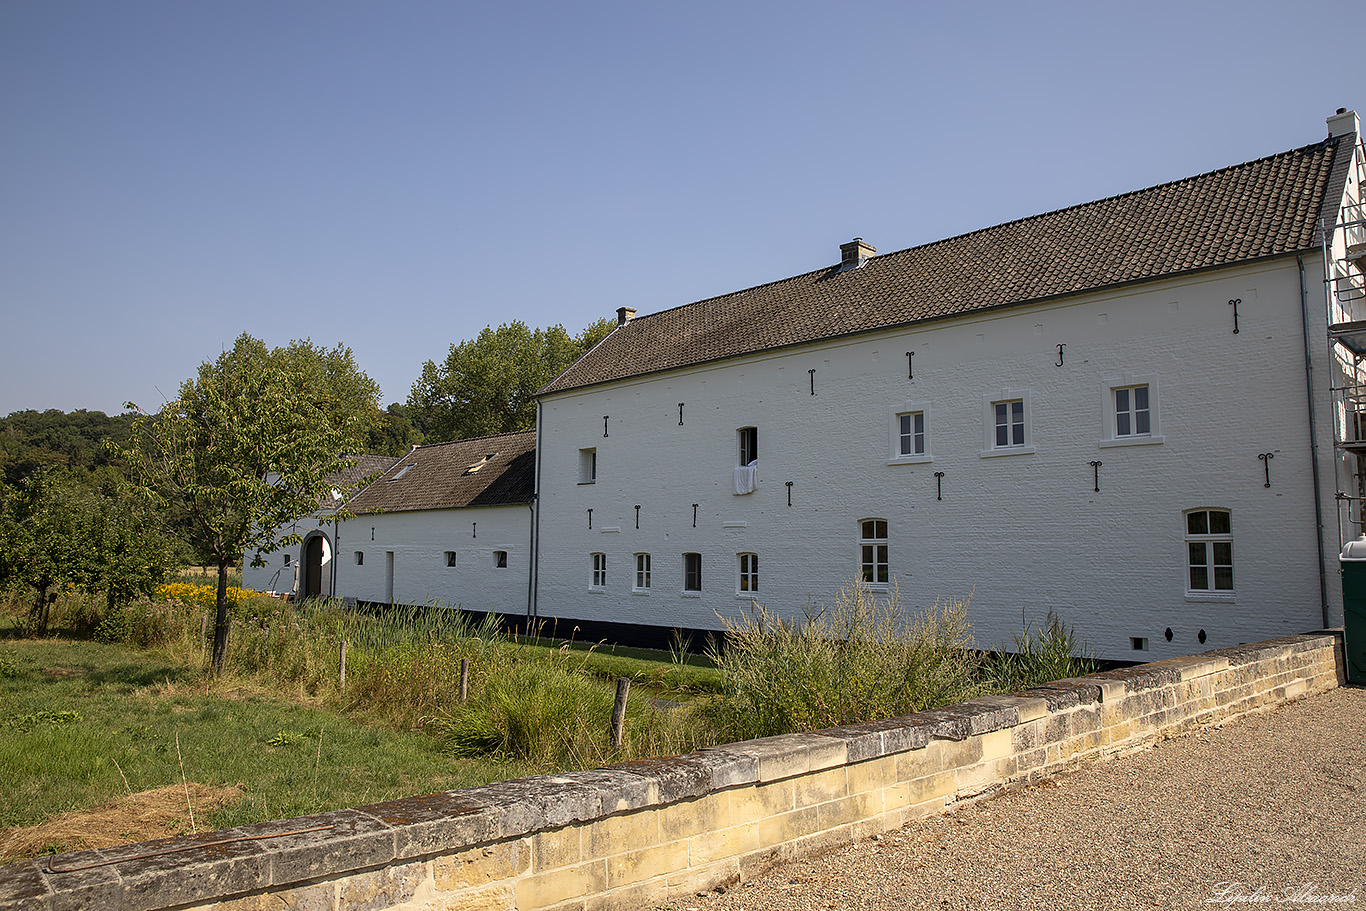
(1209, 551)
(749, 573)
(288, 559)
(692, 572)
(450, 558)
(912, 433)
(1010, 423)
(588, 466)
(873, 551)
(500, 559)
(642, 572)
(749, 444)
(910, 438)
(360, 558)
(1132, 415)
(402, 471)
(1007, 424)
(599, 571)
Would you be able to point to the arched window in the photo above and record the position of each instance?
(873, 551)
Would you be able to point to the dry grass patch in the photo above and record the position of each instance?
(159, 813)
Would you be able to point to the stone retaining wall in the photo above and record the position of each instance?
(637, 834)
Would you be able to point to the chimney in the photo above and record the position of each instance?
(855, 253)
(625, 315)
(1343, 122)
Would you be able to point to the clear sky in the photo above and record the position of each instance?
(395, 176)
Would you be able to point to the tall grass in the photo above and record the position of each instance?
(865, 658)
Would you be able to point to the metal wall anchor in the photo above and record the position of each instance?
(1266, 458)
(1095, 467)
(939, 485)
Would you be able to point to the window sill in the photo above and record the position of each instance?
(641, 591)
(876, 586)
(690, 594)
(597, 588)
(1007, 451)
(582, 483)
(746, 596)
(1224, 597)
(910, 459)
(1131, 441)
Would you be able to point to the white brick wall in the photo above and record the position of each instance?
(1023, 533)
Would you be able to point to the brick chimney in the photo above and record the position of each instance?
(625, 315)
(855, 253)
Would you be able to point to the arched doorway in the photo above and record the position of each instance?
(314, 582)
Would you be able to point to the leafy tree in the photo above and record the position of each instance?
(250, 446)
(43, 540)
(488, 385)
(32, 440)
(394, 435)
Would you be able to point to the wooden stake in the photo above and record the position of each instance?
(618, 730)
(464, 680)
(341, 673)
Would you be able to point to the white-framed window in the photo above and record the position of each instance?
(599, 571)
(642, 573)
(1130, 405)
(910, 433)
(1008, 423)
(748, 582)
(450, 558)
(588, 466)
(500, 559)
(1209, 553)
(872, 539)
(692, 572)
(749, 445)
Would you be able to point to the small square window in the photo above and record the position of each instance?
(360, 558)
(450, 558)
(588, 466)
(500, 559)
(1132, 414)
(1010, 423)
(910, 433)
(692, 572)
(1130, 408)
(288, 559)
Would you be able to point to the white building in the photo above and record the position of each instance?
(447, 524)
(1129, 412)
(308, 569)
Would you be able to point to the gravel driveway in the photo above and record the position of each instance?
(1269, 810)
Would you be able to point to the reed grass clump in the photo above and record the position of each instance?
(862, 658)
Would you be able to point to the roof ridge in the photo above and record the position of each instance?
(491, 436)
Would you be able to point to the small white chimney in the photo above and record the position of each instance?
(855, 253)
(625, 315)
(1343, 122)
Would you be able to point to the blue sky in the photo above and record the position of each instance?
(396, 176)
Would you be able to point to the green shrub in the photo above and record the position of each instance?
(1042, 654)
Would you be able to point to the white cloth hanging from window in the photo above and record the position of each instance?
(744, 478)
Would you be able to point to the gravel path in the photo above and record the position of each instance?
(1268, 810)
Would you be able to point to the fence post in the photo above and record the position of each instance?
(341, 673)
(464, 680)
(619, 711)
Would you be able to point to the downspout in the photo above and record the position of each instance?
(1313, 431)
(533, 584)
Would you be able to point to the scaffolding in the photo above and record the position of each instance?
(1344, 265)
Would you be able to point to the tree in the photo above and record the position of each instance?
(250, 446)
(394, 435)
(488, 385)
(42, 539)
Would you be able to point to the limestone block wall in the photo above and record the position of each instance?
(639, 833)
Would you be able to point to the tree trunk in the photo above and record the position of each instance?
(38, 614)
(220, 623)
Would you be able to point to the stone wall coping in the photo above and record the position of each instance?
(195, 869)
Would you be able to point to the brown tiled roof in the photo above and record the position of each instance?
(1262, 208)
(439, 476)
